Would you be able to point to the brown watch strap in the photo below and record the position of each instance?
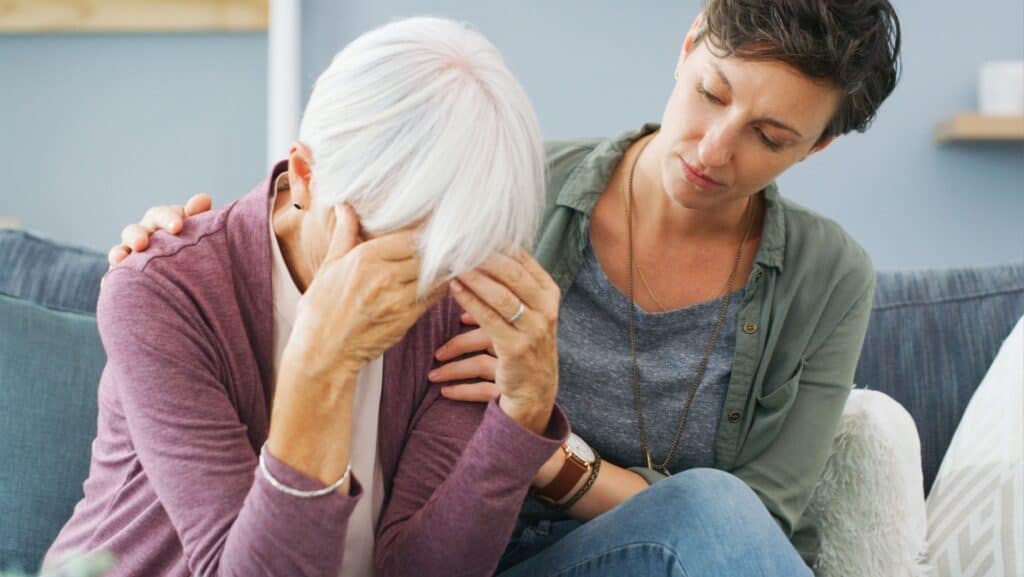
(572, 471)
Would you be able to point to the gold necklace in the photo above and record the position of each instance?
(643, 280)
(695, 384)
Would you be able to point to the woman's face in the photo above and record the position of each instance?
(732, 125)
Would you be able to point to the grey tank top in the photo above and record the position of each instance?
(595, 380)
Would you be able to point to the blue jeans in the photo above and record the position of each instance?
(698, 523)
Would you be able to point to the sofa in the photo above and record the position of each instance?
(932, 336)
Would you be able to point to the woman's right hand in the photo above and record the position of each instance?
(361, 301)
(135, 237)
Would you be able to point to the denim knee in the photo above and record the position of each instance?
(713, 522)
(705, 496)
(705, 485)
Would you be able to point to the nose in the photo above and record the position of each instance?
(716, 147)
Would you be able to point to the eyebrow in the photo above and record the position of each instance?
(766, 120)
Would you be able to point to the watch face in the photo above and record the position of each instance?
(580, 448)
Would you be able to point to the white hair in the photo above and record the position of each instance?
(420, 121)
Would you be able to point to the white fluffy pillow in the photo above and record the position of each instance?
(976, 507)
(869, 503)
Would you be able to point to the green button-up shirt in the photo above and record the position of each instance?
(801, 326)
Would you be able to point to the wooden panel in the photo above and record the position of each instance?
(975, 127)
(90, 16)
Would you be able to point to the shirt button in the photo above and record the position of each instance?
(750, 327)
(734, 416)
(758, 275)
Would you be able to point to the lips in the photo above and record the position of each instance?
(697, 178)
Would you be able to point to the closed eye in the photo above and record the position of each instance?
(768, 142)
(708, 95)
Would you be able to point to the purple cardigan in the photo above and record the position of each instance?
(184, 407)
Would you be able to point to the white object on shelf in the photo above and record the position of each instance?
(1001, 88)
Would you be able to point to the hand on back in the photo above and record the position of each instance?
(171, 218)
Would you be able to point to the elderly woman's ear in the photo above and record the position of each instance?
(300, 171)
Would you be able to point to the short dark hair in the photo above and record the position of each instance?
(853, 44)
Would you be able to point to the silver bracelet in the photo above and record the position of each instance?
(295, 492)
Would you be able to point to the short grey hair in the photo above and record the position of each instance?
(420, 121)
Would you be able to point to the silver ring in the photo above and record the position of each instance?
(519, 313)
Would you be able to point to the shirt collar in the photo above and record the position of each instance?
(286, 294)
(588, 180)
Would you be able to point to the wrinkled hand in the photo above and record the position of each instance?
(135, 237)
(526, 369)
(361, 301)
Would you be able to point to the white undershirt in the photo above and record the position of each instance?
(362, 524)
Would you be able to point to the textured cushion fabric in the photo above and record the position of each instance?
(50, 364)
(931, 338)
(976, 508)
(869, 503)
(49, 273)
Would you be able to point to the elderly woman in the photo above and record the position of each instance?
(265, 408)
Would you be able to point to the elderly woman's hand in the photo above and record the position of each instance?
(516, 303)
(362, 300)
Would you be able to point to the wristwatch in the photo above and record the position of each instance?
(579, 460)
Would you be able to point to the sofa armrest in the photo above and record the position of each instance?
(869, 504)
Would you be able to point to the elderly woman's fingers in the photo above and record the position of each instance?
(517, 279)
(467, 319)
(396, 246)
(474, 341)
(198, 204)
(135, 237)
(539, 274)
(481, 392)
(490, 319)
(500, 297)
(345, 235)
(117, 254)
(475, 367)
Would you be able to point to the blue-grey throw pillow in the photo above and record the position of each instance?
(50, 365)
(50, 273)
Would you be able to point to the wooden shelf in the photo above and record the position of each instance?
(131, 16)
(971, 127)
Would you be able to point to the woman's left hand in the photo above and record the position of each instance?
(516, 302)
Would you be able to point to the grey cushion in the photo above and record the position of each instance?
(50, 364)
(932, 337)
(48, 273)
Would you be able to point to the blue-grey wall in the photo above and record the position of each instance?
(96, 128)
(597, 68)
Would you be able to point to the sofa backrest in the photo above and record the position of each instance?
(931, 338)
(49, 273)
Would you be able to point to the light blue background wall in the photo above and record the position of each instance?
(96, 128)
(592, 68)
